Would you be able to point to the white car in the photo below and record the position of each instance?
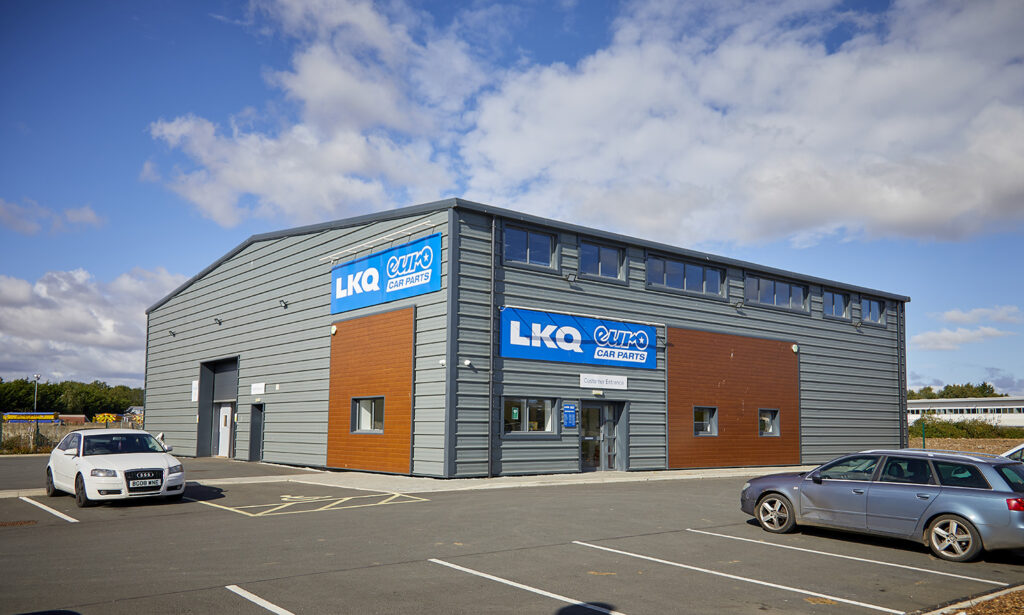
(113, 464)
(1016, 453)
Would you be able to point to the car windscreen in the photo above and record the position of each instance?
(1013, 474)
(114, 444)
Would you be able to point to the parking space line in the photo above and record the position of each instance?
(270, 606)
(49, 510)
(586, 605)
(745, 579)
(859, 559)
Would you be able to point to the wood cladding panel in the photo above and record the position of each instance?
(737, 375)
(372, 357)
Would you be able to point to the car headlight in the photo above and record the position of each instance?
(175, 469)
(106, 473)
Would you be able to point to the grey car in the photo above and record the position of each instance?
(956, 503)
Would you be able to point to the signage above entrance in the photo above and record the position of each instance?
(549, 336)
(598, 381)
(404, 271)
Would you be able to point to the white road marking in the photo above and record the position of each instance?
(745, 579)
(270, 606)
(592, 607)
(859, 559)
(49, 510)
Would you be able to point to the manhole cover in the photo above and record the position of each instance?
(16, 523)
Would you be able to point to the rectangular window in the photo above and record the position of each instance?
(532, 247)
(367, 414)
(767, 422)
(952, 474)
(684, 276)
(526, 415)
(906, 470)
(598, 260)
(774, 292)
(705, 421)
(836, 304)
(872, 310)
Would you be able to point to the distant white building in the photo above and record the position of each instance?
(997, 410)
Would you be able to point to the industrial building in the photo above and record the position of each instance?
(455, 339)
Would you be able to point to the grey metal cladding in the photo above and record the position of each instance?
(286, 346)
(851, 386)
(517, 454)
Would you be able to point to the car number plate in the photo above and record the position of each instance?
(145, 483)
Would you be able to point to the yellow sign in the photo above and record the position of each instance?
(106, 417)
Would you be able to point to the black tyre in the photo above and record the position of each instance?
(775, 514)
(81, 498)
(953, 538)
(51, 491)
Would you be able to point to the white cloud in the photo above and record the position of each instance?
(31, 218)
(726, 121)
(947, 339)
(67, 325)
(999, 313)
(1004, 381)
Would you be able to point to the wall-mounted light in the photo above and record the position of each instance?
(334, 329)
(467, 363)
(171, 331)
(597, 392)
(738, 304)
(217, 320)
(283, 303)
(442, 362)
(857, 325)
(571, 277)
(795, 348)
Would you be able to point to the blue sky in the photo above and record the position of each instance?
(877, 143)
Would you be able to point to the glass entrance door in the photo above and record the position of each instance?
(597, 436)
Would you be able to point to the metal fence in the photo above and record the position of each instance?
(23, 438)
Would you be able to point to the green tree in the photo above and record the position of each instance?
(956, 391)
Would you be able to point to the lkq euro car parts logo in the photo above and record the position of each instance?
(404, 271)
(549, 336)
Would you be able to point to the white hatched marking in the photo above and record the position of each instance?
(49, 510)
(270, 606)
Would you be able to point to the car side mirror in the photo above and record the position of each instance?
(816, 478)
(71, 452)
(168, 448)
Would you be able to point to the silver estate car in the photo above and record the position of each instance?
(956, 503)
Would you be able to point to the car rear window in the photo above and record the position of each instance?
(1013, 474)
(952, 474)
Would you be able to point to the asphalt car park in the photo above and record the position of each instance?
(293, 546)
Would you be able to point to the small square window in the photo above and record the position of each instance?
(836, 304)
(768, 422)
(533, 247)
(705, 421)
(603, 261)
(872, 310)
(368, 414)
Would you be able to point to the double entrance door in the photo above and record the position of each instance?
(598, 441)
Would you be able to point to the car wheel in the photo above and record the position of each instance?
(953, 538)
(775, 514)
(51, 491)
(81, 498)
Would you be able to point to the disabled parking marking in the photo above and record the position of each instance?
(49, 510)
(744, 579)
(251, 597)
(859, 559)
(579, 603)
(297, 504)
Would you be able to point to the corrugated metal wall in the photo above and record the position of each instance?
(850, 380)
(288, 349)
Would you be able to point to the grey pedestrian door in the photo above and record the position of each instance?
(597, 436)
(256, 433)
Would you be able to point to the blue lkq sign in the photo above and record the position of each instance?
(549, 336)
(407, 270)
